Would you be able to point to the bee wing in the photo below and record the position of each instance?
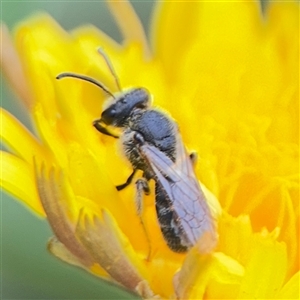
(183, 189)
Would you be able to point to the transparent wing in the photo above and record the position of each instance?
(183, 189)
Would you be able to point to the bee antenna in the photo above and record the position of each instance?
(86, 78)
(110, 66)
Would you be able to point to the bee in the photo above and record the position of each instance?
(152, 143)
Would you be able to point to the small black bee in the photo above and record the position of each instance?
(153, 144)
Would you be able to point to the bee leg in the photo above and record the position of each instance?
(194, 158)
(101, 128)
(128, 181)
(142, 187)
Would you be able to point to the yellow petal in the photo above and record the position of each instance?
(226, 278)
(283, 30)
(15, 134)
(42, 30)
(50, 135)
(235, 236)
(17, 178)
(172, 17)
(218, 34)
(129, 23)
(291, 289)
(199, 271)
(269, 257)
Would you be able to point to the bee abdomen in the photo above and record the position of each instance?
(167, 220)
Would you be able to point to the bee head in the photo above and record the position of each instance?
(122, 105)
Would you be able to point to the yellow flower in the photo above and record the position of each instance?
(230, 78)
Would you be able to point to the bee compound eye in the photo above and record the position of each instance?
(139, 139)
(108, 116)
(112, 113)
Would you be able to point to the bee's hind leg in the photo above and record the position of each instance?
(142, 187)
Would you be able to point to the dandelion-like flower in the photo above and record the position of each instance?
(229, 77)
